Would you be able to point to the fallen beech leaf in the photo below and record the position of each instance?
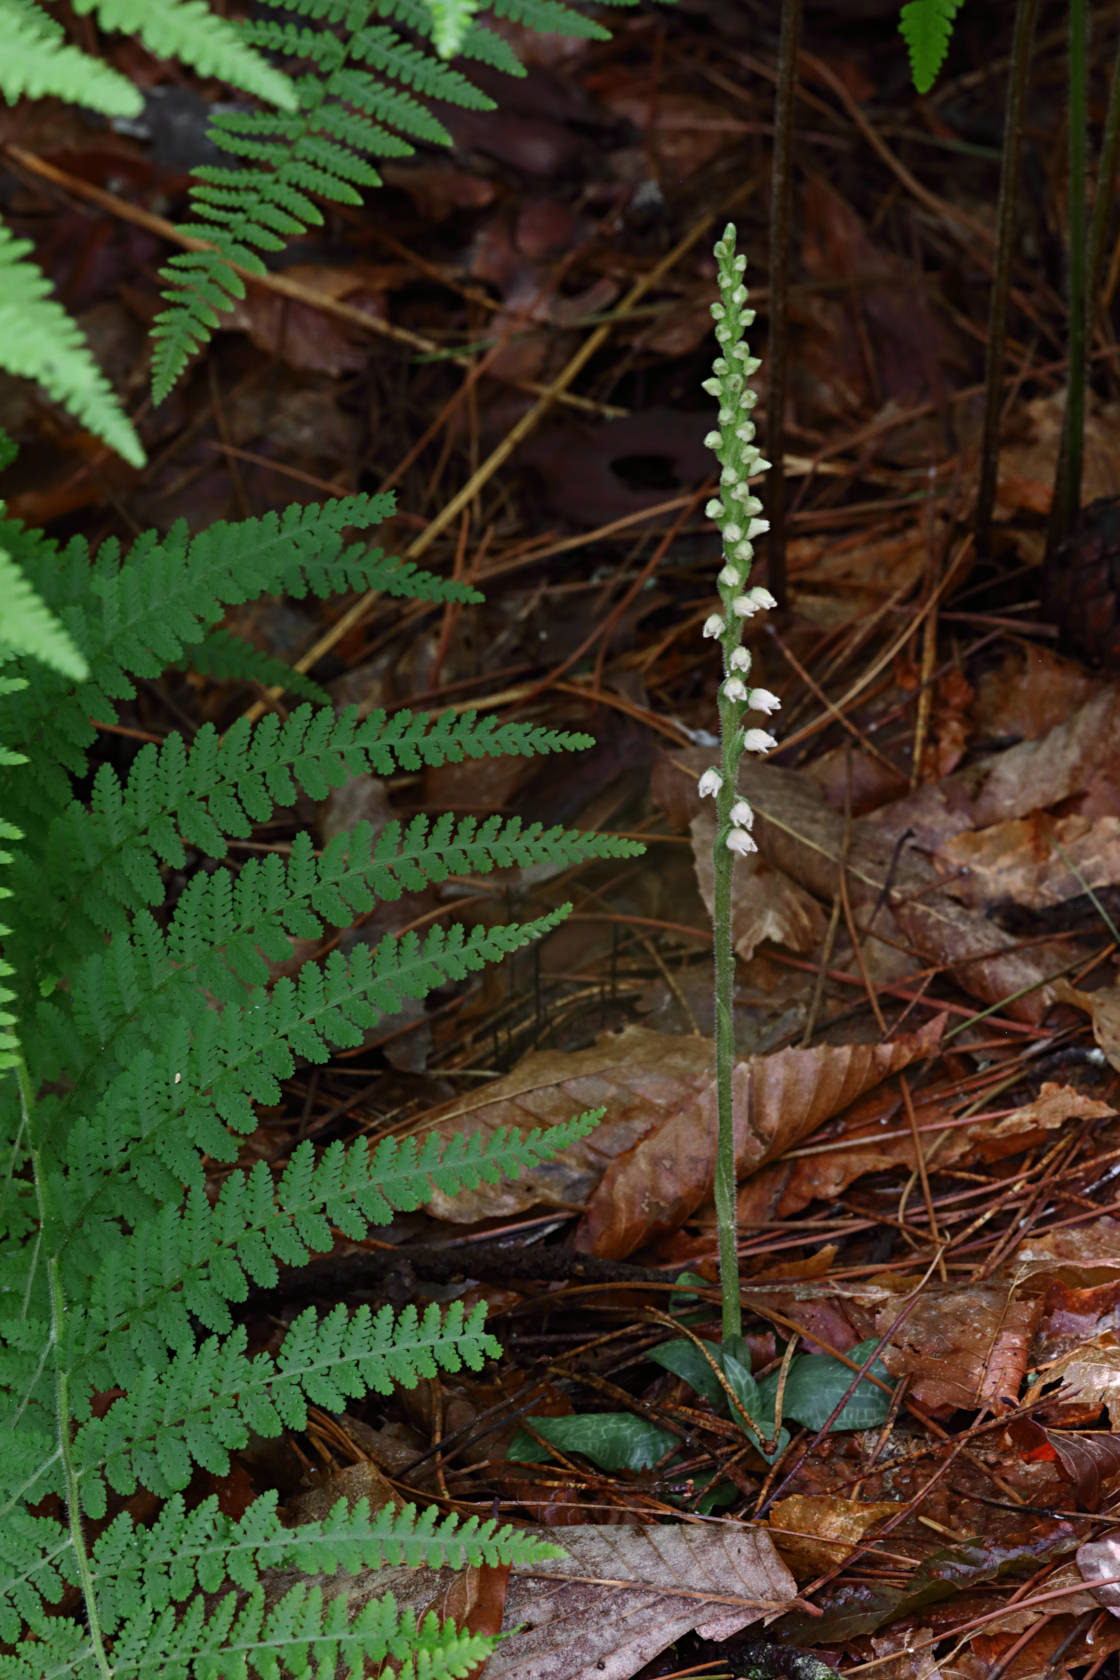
(798, 832)
(815, 1532)
(1088, 1458)
(778, 1100)
(617, 1598)
(1099, 1563)
(765, 903)
(638, 1075)
(962, 1345)
(624, 1594)
(863, 1146)
(1090, 1252)
(1091, 1376)
(1023, 860)
(1103, 1010)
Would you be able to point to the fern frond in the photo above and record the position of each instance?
(186, 1551)
(451, 22)
(368, 95)
(211, 1398)
(189, 31)
(36, 61)
(551, 17)
(166, 1105)
(229, 658)
(41, 342)
(147, 610)
(926, 27)
(195, 1261)
(240, 1639)
(29, 629)
(220, 787)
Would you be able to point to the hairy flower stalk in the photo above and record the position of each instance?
(737, 514)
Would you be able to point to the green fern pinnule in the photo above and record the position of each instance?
(926, 27)
(41, 342)
(36, 60)
(368, 95)
(189, 31)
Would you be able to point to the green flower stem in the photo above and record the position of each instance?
(724, 860)
(736, 514)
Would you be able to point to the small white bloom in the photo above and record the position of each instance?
(714, 625)
(710, 783)
(757, 740)
(711, 386)
(717, 311)
(743, 607)
(723, 333)
(726, 416)
(729, 478)
(736, 689)
(713, 440)
(741, 661)
(741, 814)
(757, 528)
(762, 597)
(763, 701)
(740, 841)
(729, 578)
(714, 509)
(732, 533)
(743, 551)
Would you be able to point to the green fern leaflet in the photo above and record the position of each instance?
(927, 26)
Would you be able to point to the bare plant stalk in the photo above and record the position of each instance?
(736, 512)
(1022, 42)
(781, 196)
(1067, 479)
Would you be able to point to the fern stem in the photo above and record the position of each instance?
(781, 196)
(62, 1393)
(1025, 15)
(1066, 499)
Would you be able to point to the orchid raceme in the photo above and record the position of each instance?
(737, 513)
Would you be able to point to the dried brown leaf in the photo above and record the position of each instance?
(765, 903)
(638, 1075)
(816, 1532)
(777, 1101)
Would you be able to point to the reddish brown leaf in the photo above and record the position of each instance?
(778, 1100)
(1088, 1458)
